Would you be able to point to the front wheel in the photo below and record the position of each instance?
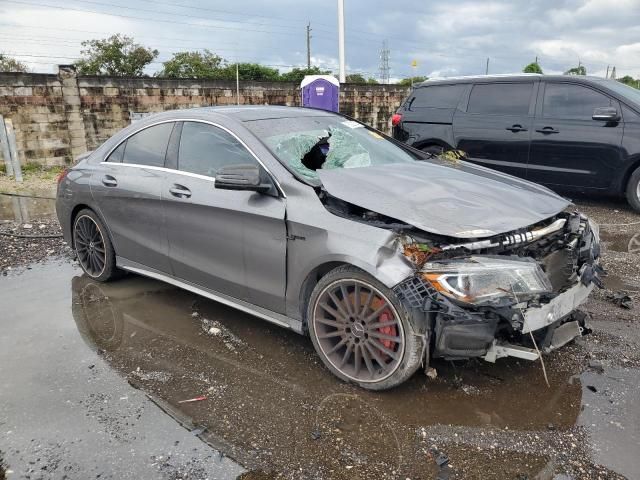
(633, 190)
(361, 331)
(93, 246)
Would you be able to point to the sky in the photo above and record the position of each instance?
(445, 38)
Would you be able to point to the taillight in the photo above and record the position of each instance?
(62, 175)
(396, 119)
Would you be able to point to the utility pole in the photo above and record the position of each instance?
(342, 74)
(384, 63)
(308, 45)
(486, 70)
(237, 84)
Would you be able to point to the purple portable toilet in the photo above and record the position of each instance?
(320, 91)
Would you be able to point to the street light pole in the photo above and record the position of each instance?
(342, 74)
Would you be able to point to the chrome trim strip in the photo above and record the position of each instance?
(263, 313)
(199, 120)
(162, 169)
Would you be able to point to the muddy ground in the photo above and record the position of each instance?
(111, 363)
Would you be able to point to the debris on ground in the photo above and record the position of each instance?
(431, 373)
(195, 399)
(621, 299)
(217, 329)
(161, 377)
(25, 243)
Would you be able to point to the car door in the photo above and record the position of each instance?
(568, 147)
(127, 187)
(229, 241)
(495, 129)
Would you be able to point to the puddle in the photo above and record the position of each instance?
(25, 208)
(628, 242)
(272, 402)
(615, 284)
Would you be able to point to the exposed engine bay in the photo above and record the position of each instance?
(513, 294)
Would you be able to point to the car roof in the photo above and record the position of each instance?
(510, 77)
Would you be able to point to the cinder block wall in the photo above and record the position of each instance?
(57, 117)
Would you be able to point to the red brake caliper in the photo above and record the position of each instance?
(384, 317)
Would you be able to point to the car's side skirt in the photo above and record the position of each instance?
(273, 317)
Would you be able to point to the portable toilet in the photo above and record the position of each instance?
(320, 91)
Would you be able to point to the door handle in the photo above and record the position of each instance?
(180, 191)
(109, 181)
(516, 128)
(547, 130)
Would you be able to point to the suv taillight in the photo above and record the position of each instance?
(62, 175)
(396, 119)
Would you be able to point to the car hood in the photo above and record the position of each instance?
(458, 200)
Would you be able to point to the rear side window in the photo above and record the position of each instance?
(149, 146)
(437, 96)
(500, 98)
(564, 100)
(116, 155)
(204, 149)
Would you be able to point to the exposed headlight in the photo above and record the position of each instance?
(478, 279)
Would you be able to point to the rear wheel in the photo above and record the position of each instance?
(633, 190)
(93, 247)
(361, 330)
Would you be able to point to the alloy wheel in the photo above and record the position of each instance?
(89, 245)
(358, 330)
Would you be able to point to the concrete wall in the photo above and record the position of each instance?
(57, 117)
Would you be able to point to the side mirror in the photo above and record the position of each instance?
(606, 114)
(242, 177)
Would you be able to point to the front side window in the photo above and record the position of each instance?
(564, 100)
(501, 98)
(204, 149)
(437, 96)
(149, 146)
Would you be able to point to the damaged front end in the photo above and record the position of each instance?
(511, 295)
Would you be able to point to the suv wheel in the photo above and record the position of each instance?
(93, 247)
(361, 331)
(633, 190)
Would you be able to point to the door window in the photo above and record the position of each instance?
(149, 146)
(500, 98)
(437, 96)
(204, 149)
(568, 101)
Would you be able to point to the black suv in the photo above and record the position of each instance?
(567, 132)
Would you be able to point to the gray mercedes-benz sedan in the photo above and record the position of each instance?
(385, 256)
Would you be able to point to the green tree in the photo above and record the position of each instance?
(407, 82)
(297, 74)
(629, 80)
(355, 78)
(533, 67)
(251, 71)
(193, 65)
(8, 64)
(579, 70)
(117, 55)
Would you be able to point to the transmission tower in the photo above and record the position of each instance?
(384, 63)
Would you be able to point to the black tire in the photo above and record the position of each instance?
(375, 343)
(633, 190)
(93, 247)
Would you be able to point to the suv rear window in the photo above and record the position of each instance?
(501, 98)
(437, 96)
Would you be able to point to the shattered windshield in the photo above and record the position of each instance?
(308, 144)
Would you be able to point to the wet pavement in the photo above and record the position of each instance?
(93, 379)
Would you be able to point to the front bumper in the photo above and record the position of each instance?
(522, 330)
